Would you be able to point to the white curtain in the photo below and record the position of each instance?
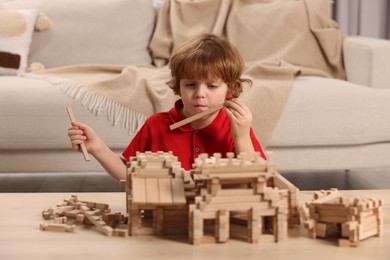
(363, 17)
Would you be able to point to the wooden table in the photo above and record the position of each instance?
(20, 237)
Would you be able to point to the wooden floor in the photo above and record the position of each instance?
(102, 182)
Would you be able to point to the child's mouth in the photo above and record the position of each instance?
(200, 107)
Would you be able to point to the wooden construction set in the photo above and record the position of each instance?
(353, 218)
(72, 211)
(220, 198)
(164, 199)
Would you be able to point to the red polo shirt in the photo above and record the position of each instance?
(185, 142)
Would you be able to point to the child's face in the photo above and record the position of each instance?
(199, 95)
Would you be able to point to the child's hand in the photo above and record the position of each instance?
(240, 117)
(80, 133)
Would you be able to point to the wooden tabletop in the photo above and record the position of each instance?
(21, 238)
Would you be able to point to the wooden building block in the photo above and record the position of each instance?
(151, 189)
(138, 190)
(82, 146)
(97, 221)
(196, 117)
(60, 220)
(58, 227)
(196, 226)
(178, 194)
(254, 225)
(80, 218)
(165, 191)
(48, 213)
(222, 228)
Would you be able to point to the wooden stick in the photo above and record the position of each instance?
(196, 117)
(82, 146)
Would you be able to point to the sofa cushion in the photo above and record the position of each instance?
(33, 116)
(367, 61)
(324, 111)
(84, 31)
(16, 28)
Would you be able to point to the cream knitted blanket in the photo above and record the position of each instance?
(278, 39)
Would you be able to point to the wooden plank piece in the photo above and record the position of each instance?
(82, 146)
(178, 194)
(196, 117)
(151, 189)
(165, 190)
(138, 190)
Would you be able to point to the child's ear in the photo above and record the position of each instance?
(229, 94)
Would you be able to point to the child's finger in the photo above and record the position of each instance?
(74, 132)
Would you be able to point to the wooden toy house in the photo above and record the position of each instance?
(156, 200)
(353, 219)
(236, 190)
(164, 199)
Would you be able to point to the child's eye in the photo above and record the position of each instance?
(212, 86)
(190, 85)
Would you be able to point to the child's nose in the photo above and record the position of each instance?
(200, 90)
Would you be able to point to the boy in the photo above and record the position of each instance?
(206, 72)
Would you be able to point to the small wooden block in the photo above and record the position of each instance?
(80, 218)
(58, 227)
(60, 220)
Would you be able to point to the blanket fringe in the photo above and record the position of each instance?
(117, 114)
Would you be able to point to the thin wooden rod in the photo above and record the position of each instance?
(82, 146)
(196, 117)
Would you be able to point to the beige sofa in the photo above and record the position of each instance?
(326, 124)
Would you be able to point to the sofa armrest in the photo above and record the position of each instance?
(367, 61)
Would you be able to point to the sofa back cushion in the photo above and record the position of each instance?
(91, 32)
